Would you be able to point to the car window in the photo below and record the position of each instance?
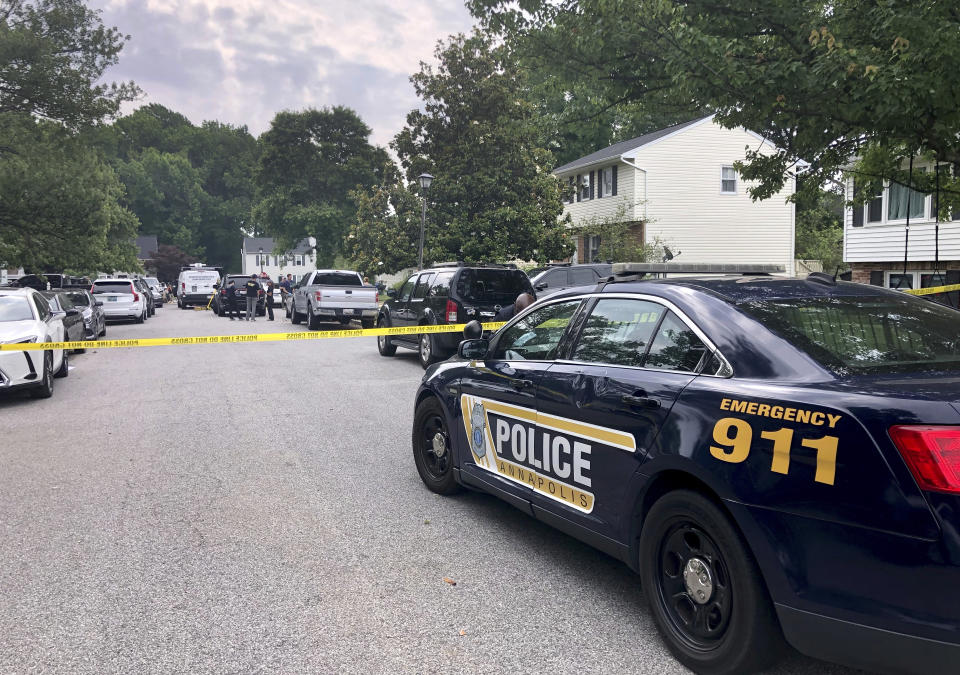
(79, 299)
(43, 308)
(423, 285)
(618, 331)
(15, 308)
(556, 278)
(112, 287)
(582, 276)
(675, 347)
(338, 279)
(64, 300)
(492, 286)
(407, 288)
(537, 335)
(440, 287)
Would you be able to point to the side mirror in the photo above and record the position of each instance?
(391, 293)
(99, 303)
(473, 330)
(473, 349)
(541, 286)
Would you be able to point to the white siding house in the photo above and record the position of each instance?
(257, 255)
(678, 185)
(875, 240)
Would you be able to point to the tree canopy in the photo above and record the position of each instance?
(493, 196)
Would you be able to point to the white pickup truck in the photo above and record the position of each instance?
(333, 295)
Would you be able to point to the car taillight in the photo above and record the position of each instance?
(319, 296)
(376, 297)
(933, 455)
(451, 311)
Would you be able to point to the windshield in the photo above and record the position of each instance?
(337, 279)
(79, 299)
(493, 286)
(152, 281)
(866, 335)
(113, 287)
(15, 308)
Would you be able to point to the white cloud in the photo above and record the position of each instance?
(240, 61)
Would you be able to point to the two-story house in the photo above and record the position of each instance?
(875, 241)
(257, 256)
(678, 185)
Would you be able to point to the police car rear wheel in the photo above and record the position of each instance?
(704, 588)
(431, 448)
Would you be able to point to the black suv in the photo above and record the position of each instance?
(559, 276)
(219, 302)
(447, 293)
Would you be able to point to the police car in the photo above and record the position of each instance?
(779, 459)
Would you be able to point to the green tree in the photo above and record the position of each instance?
(59, 205)
(493, 197)
(309, 163)
(385, 235)
(168, 260)
(820, 227)
(824, 82)
(53, 54)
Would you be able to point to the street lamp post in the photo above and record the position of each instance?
(261, 260)
(425, 180)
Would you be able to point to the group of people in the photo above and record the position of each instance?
(253, 290)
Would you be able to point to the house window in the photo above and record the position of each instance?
(897, 198)
(606, 182)
(875, 209)
(728, 180)
(298, 260)
(585, 187)
(915, 279)
(570, 195)
(592, 246)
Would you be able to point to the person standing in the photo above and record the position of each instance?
(231, 291)
(269, 292)
(523, 301)
(253, 293)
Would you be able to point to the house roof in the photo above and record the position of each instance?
(146, 246)
(617, 150)
(254, 244)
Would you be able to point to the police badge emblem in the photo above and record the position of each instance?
(478, 423)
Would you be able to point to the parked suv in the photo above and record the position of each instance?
(560, 276)
(443, 294)
(219, 302)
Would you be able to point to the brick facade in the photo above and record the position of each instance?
(861, 271)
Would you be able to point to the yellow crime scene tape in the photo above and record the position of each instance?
(934, 290)
(227, 339)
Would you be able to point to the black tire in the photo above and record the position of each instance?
(384, 343)
(45, 388)
(103, 330)
(140, 317)
(427, 349)
(733, 629)
(366, 323)
(64, 368)
(436, 470)
(312, 322)
(344, 320)
(294, 315)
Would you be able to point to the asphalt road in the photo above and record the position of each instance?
(250, 508)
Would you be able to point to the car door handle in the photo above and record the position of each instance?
(640, 400)
(520, 385)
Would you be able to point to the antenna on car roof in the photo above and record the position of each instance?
(822, 278)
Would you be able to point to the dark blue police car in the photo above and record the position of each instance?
(779, 459)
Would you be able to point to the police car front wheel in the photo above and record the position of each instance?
(432, 450)
(704, 588)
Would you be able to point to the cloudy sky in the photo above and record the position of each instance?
(240, 61)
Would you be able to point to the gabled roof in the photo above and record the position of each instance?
(146, 246)
(254, 244)
(617, 150)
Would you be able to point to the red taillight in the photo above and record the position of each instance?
(136, 298)
(183, 285)
(933, 455)
(319, 296)
(451, 311)
(376, 297)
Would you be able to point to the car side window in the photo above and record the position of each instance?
(618, 331)
(423, 285)
(675, 347)
(440, 287)
(582, 276)
(407, 289)
(43, 309)
(537, 335)
(555, 278)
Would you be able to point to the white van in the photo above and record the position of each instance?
(196, 286)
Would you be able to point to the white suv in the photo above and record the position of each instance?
(25, 316)
(120, 299)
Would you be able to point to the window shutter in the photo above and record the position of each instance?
(857, 208)
(579, 188)
(599, 183)
(876, 278)
(592, 182)
(614, 180)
